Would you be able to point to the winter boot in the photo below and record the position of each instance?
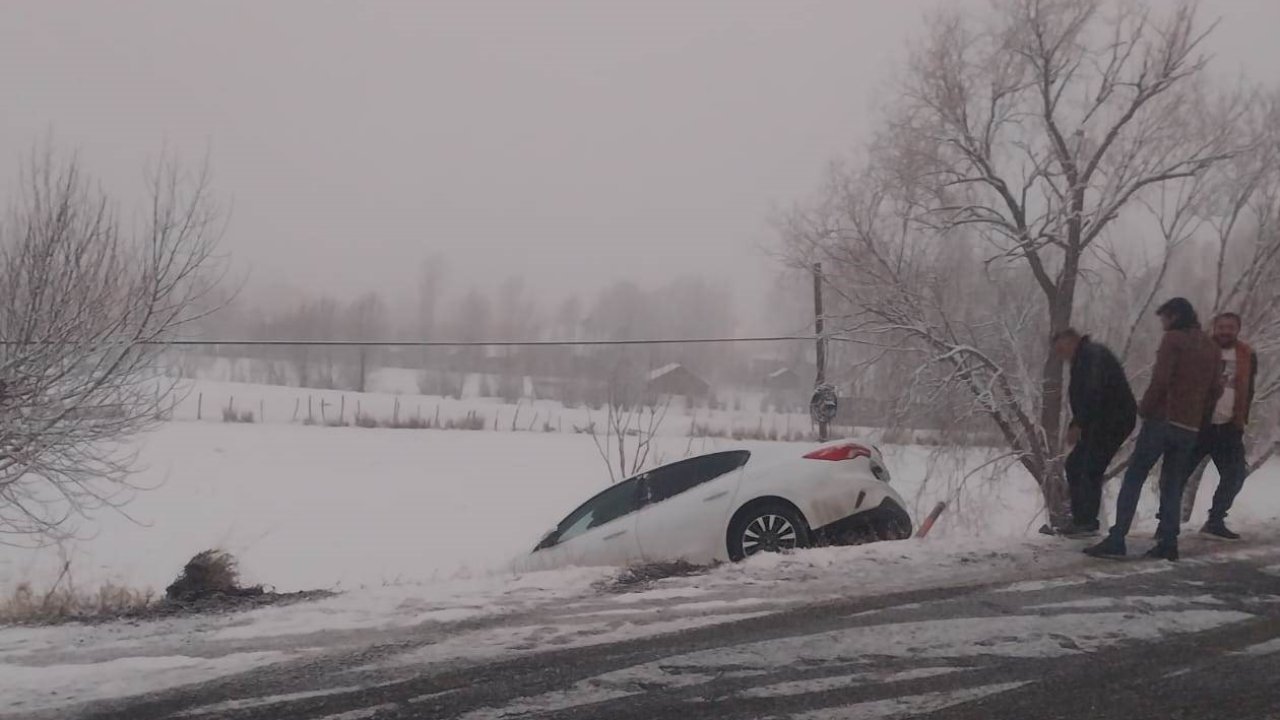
(1163, 551)
(1111, 548)
(1217, 530)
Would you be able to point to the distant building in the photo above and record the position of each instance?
(785, 390)
(783, 380)
(676, 380)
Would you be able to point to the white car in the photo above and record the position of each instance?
(731, 505)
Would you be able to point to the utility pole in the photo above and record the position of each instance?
(819, 330)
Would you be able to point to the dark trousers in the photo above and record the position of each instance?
(1225, 445)
(1086, 469)
(1158, 440)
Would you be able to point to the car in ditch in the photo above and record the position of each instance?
(730, 505)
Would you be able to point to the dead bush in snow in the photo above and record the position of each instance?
(638, 577)
(472, 421)
(64, 603)
(209, 583)
(231, 415)
(211, 572)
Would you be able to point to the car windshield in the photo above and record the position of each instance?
(608, 506)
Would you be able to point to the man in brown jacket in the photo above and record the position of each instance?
(1223, 438)
(1185, 383)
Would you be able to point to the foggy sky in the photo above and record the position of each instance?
(570, 141)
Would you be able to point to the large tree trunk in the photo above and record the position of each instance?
(1053, 484)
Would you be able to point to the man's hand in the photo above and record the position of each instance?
(1073, 435)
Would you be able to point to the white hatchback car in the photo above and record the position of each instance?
(731, 505)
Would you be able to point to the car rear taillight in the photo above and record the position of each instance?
(840, 452)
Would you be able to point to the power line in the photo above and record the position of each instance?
(453, 343)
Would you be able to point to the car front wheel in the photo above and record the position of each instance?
(769, 527)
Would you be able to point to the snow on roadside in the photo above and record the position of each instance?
(382, 609)
(497, 615)
(910, 706)
(416, 605)
(28, 689)
(1270, 647)
(837, 682)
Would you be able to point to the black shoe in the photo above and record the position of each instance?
(1218, 531)
(1163, 552)
(1111, 548)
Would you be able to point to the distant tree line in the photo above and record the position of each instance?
(685, 307)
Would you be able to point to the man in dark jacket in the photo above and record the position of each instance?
(1103, 414)
(1223, 437)
(1185, 383)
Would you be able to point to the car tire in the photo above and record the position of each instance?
(894, 524)
(766, 527)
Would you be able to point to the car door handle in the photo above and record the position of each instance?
(616, 535)
(716, 496)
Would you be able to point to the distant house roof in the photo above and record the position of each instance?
(676, 379)
(663, 371)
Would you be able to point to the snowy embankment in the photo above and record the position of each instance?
(448, 623)
(418, 528)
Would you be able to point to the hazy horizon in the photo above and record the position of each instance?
(569, 142)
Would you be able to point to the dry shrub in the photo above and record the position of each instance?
(898, 436)
(702, 430)
(209, 573)
(638, 577)
(413, 423)
(231, 415)
(472, 421)
(209, 583)
(64, 603)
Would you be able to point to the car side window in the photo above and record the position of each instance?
(668, 481)
(619, 500)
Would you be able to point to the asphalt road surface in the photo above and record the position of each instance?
(1143, 639)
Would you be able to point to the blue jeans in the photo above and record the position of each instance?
(1157, 440)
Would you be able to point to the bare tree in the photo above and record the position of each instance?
(83, 302)
(629, 432)
(366, 320)
(1021, 139)
(1244, 254)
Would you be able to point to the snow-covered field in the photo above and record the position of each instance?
(392, 395)
(308, 507)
